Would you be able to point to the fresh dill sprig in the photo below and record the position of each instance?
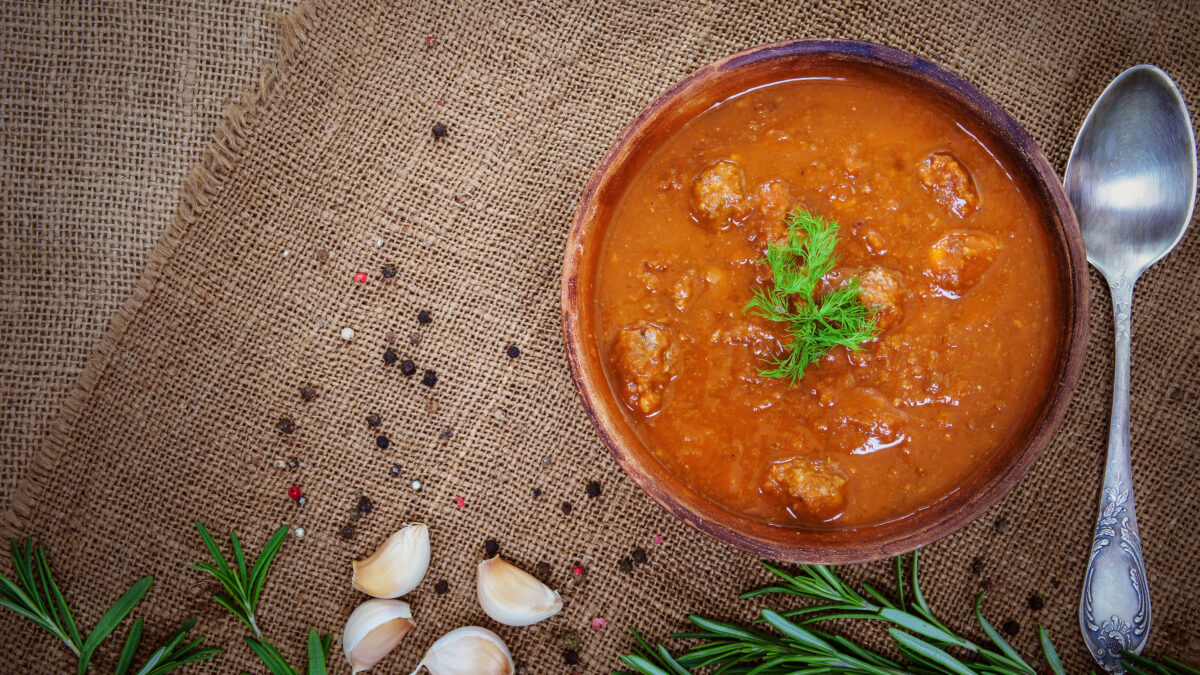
(814, 324)
(37, 597)
(922, 640)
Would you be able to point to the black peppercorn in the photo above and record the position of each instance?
(593, 489)
(571, 657)
(639, 556)
(365, 505)
(285, 425)
(513, 351)
(382, 442)
(537, 493)
(543, 570)
(389, 357)
(1036, 603)
(566, 508)
(373, 421)
(491, 547)
(389, 271)
(423, 317)
(977, 566)
(1001, 525)
(395, 470)
(1012, 627)
(308, 393)
(440, 130)
(441, 587)
(625, 565)
(348, 532)
(446, 434)
(408, 367)
(429, 379)
(294, 463)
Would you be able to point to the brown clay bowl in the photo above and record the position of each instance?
(716, 82)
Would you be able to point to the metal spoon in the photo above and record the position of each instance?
(1132, 182)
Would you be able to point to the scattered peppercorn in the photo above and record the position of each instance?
(293, 463)
(429, 379)
(308, 393)
(593, 489)
(423, 317)
(301, 500)
(571, 640)
(285, 425)
(440, 130)
(1036, 603)
(382, 442)
(361, 277)
(294, 492)
(625, 565)
(977, 566)
(365, 505)
(543, 570)
(389, 271)
(566, 508)
(389, 357)
(441, 587)
(446, 434)
(408, 367)
(571, 657)
(348, 532)
(491, 547)
(373, 421)
(1001, 525)
(414, 338)
(513, 351)
(639, 556)
(577, 570)
(537, 493)
(1012, 627)
(395, 470)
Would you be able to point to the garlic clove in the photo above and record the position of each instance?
(373, 630)
(470, 650)
(398, 566)
(512, 596)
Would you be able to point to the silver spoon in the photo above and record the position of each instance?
(1132, 182)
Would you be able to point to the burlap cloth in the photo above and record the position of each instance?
(328, 167)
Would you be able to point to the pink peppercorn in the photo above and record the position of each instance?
(577, 570)
(459, 502)
(599, 623)
(361, 277)
(294, 492)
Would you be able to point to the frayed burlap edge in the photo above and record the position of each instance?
(197, 192)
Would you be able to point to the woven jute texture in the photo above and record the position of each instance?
(328, 168)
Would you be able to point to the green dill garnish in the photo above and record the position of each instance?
(814, 324)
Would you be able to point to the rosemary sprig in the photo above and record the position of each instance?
(796, 647)
(243, 584)
(36, 596)
(814, 324)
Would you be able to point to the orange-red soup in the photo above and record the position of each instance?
(949, 253)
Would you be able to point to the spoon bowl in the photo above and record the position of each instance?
(1132, 182)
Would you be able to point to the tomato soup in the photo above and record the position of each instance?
(950, 258)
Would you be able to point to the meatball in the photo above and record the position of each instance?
(817, 485)
(772, 202)
(951, 185)
(883, 290)
(959, 260)
(642, 357)
(719, 194)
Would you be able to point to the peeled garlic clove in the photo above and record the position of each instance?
(373, 630)
(398, 566)
(512, 596)
(470, 650)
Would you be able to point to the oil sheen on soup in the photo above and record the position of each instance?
(949, 255)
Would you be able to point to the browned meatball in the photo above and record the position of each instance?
(719, 194)
(642, 357)
(882, 290)
(772, 202)
(959, 260)
(817, 485)
(950, 183)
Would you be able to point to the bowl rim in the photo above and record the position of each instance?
(1024, 151)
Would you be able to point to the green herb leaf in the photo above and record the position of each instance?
(111, 619)
(1051, 654)
(814, 324)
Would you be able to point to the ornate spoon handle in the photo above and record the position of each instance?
(1115, 610)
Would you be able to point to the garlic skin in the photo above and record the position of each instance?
(470, 650)
(373, 630)
(398, 566)
(512, 596)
